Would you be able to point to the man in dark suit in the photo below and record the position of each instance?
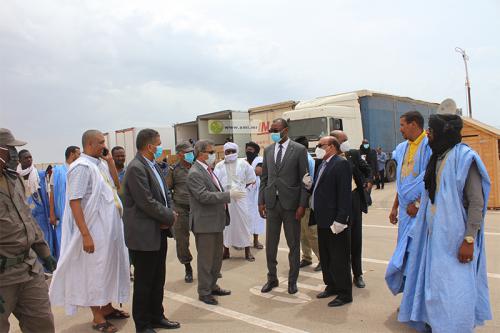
(208, 216)
(282, 200)
(361, 183)
(148, 217)
(331, 206)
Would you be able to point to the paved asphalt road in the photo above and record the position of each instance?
(247, 310)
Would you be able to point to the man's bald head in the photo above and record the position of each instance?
(93, 143)
(89, 136)
(339, 135)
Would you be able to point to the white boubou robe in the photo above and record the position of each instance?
(102, 277)
(258, 223)
(237, 175)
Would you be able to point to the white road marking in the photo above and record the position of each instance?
(272, 326)
(375, 261)
(393, 227)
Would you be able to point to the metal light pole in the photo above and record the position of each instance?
(467, 82)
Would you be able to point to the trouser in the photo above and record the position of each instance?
(29, 302)
(149, 281)
(335, 261)
(380, 178)
(356, 220)
(181, 233)
(275, 218)
(308, 238)
(209, 261)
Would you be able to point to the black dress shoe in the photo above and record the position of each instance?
(208, 299)
(318, 267)
(304, 263)
(292, 288)
(326, 293)
(166, 324)
(189, 277)
(147, 330)
(221, 292)
(269, 286)
(358, 281)
(339, 302)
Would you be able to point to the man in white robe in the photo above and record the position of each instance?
(258, 223)
(93, 269)
(236, 174)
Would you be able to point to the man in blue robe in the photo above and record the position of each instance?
(411, 157)
(58, 194)
(36, 195)
(446, 287)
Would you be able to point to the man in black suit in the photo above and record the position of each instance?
(361, 183)
(148, 217)
(331, 206)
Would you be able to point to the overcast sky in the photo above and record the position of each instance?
(67, 66)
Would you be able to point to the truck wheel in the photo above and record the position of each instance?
(390, 171)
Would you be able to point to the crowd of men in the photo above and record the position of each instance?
(97, 220)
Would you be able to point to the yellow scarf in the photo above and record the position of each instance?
(408, 162)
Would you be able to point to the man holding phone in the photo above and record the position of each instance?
(93, 269)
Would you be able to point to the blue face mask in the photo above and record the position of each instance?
(189, 157)
(366, 145)
(275, 137)
(158, 152)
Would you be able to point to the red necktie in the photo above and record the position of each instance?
(214, 179)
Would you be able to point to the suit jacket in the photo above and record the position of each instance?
(362, 173)
(287, 180)
(332, 193)
(208, 212)
(145, 207)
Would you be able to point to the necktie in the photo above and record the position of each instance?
(320, 172)
(214, 179)
(278, 157)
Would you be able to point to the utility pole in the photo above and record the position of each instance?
(467, 82)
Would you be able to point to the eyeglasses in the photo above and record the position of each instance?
(210, 152)
(322, 145)
(274, 131)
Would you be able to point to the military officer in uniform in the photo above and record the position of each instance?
(177, 182)
(23, 290)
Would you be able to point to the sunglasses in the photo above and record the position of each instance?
(210, 152)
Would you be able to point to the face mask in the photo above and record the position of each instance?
(158, 152)
(189, 157)
(251, 156)
(345, 147)
(366, 146)
(275, 137)
(320, 153)
(231, 157)
(211, 159)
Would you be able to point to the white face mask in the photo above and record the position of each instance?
(211, 159)
(231, 157)
(320, 153)
(345, 147)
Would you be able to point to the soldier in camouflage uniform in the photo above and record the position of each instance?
(23, 290)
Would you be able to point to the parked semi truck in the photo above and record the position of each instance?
(362, 114)
(219, 127)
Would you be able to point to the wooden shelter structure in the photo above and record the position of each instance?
(485, 140)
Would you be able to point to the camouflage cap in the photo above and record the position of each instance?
(7, 139)
(184, 147)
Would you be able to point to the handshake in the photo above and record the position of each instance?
(237, 194)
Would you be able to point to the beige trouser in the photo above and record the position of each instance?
(308, 237)
(29, 302)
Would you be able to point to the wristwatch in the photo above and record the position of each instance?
(469, 239)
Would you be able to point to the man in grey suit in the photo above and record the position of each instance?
(282, 200)
(148, 217)
(208, 216)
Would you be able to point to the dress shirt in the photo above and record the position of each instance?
(277, 147)
(157, 175)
